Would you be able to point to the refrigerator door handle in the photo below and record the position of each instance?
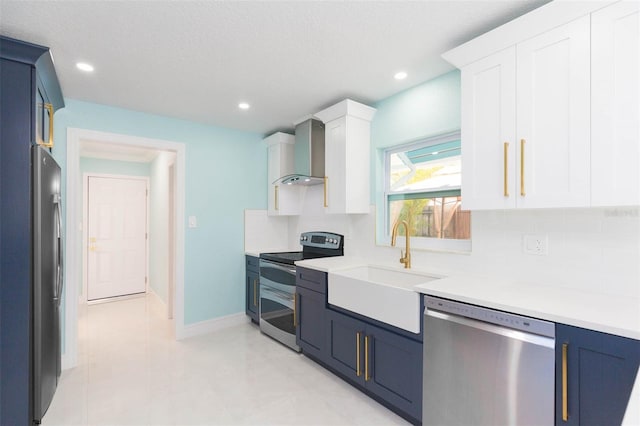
(57, 200)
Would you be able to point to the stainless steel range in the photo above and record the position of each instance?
(278, 283)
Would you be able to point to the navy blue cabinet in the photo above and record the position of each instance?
(595, 373)
(28, 87)
(386, 364)
(252, 288)
(311, 307)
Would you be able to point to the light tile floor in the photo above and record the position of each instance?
(131, 371)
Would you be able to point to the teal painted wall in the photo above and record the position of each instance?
(429, 109)
(225, 174)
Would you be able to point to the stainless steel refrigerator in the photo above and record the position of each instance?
(47, 279)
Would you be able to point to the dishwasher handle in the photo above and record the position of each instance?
(548, 342)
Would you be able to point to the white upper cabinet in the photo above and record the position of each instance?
(488, 132)
(347, 157)
(534, 91)
(282, 200)
(552, 110)
(615, 132)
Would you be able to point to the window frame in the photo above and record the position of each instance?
(420, 243)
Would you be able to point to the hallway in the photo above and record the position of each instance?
(131, 371)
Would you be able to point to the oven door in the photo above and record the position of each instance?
(277, 302)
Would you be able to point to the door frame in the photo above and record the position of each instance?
(85, 225)
(73, 230)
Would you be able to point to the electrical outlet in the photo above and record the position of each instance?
(536, 244)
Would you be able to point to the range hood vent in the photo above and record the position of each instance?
(308, 153)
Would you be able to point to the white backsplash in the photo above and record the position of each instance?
(265, 233)
(593, 249)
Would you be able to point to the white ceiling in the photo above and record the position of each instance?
(196, 60)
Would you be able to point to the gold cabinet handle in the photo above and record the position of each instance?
(358, 372)
(522, 192)
(366, 359)
(295, 298)
(505, 162)
(326, 183)
(276, 195)
(255, 292)
(49, 143)
(565, 404)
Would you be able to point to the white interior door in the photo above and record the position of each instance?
(117, 230)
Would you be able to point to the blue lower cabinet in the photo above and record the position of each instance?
(252, 289)
(386, 364)
(600, 370)
(310, 322)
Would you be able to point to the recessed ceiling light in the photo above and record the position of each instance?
(243, 105)
(400, 75)
(83, 66)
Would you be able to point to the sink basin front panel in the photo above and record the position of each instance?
(396, 306)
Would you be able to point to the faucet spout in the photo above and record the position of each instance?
(406, 257)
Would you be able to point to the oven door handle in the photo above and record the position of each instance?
(281, 297)
(287, 269)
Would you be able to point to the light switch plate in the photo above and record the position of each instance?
(537, 244)
(193, 222)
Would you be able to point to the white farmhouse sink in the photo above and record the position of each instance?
(380, 293)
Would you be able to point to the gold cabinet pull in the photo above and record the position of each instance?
(522, 192)
(255, 292)
(276, 196)
(49, 143)
(326, 182)
(505, 163)
(358, 372)
(366, 359)
(295, 298)
(565, 403)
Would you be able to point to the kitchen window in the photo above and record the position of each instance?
(422, 186)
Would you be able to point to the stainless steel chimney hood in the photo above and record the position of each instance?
(308, 153)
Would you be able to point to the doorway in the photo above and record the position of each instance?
(76, 138)
(117, 229)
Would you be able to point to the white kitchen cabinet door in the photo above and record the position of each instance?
(489, 131)
(282, 200)
(553, 117)
(347, 163)
(347, 147)
(615, 138)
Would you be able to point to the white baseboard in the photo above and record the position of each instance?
(67, 362)
(209, 326)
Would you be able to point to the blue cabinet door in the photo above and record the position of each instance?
(252, 288)
(386, 364)
(395, 370)
(311, 320)
(600, 371)
(345, 344)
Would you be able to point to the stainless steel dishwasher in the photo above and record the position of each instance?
(486, 367)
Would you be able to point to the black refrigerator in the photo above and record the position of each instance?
(47, 279)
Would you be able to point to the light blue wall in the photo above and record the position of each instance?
(429, 109)
(225, 174)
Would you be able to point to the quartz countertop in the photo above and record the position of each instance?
(606, 313)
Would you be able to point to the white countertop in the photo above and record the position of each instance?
(606, 313)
